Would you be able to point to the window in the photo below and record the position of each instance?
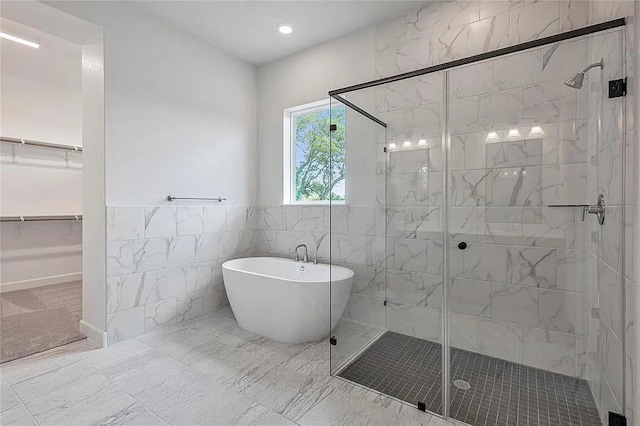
(314, 171)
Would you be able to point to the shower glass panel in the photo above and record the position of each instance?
(357, 235)
(527, 275)
(476, 177)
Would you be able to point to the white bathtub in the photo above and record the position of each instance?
(277, 299)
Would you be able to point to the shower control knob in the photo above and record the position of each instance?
(462, 245)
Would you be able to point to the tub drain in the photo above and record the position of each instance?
(461, 384)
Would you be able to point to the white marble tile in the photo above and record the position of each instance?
(469, 187)
(555, 228)
(215, 219)
(500, 340)
(171, 282)
(468, 151)
(160, 222)
(515, 304)
(409, 255)
(501, 109)
(191, 305)
(119, 258)
(136, 290)
(190, 220)
(519, 186)
(549, 350)
(408, 93)
(564, 184)
(414, 288)
(207, 247)
(563, 311)
(8, 398)
(125, 223)
(463, 331)
(199, 276)
(519, 70)
(237, 218)
(368, 281)
(17, 416)
(551, 102)
(349, 249)
(314, 219)
(532, 266)
(436, 17)
(573, 14)
(160, 313)
(292, 218)
(180, 250)
(414, 320)
(485, 262)
(571, 265)
(125, 324)
(472, 80)
(149, 254)
(471, 297)
(366, 310)
(533, 21)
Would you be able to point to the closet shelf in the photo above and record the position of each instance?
(40, 144)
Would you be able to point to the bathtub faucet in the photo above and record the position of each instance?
(305, 258)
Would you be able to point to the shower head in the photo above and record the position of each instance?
(577, 80)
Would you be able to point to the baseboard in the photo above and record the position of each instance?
(40, 282)
(93, 333)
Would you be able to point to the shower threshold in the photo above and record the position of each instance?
(484, 390)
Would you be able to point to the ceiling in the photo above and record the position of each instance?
(57, 62)
(248, 29)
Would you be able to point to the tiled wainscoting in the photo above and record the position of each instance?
(164, 263)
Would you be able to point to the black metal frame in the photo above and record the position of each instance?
(620, 22)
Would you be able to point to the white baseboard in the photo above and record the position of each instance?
(40, 282)
(93, 333)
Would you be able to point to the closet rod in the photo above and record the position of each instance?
(40, 144)
(39, 218)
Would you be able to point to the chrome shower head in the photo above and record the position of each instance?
(576, 81)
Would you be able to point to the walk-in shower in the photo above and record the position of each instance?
(480, 293)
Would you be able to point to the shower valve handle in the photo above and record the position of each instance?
(597, 209)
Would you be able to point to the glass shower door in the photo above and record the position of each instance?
(530, 339)
(357, 233)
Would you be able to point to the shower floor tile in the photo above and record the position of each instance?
(501, 392)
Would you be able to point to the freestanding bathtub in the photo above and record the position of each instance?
(285, 300)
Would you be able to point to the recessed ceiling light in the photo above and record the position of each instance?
(19, 40)
(285, 29)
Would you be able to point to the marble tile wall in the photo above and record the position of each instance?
(164, 263)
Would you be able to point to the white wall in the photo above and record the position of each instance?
(338, 63)
(181, 115)
(180, 120)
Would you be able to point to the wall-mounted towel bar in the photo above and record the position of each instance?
(39, 218)
(51, 145)
(218, 199)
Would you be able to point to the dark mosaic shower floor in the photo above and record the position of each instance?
(501, 393)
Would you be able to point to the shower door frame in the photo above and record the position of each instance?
(446, 144)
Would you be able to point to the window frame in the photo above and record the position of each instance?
(289, 161)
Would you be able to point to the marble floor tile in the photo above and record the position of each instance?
(16, 416)
(206, 371)
(8, 398)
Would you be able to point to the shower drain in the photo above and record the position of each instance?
(461, 384)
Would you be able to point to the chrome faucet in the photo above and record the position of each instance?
(305, 257)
